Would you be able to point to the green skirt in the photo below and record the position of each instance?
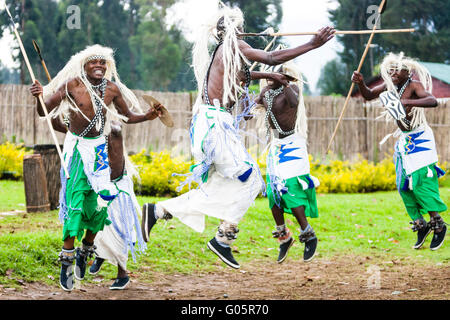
(83, 211)
(424, 196)
(295, 196)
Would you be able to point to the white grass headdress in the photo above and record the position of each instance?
(75, 69)
(222, 25)
(399, 62)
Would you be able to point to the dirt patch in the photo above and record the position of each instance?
(346, 278)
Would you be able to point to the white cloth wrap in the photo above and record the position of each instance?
(289, 157)
(99, 178)
(216, 144)
(115, 239)
(417, 148)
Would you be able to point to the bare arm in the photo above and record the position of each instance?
(426, 99)
(278, 77)
(280, 56)
(59, 125)
(133, 117)
(52, 102)
(366, 92)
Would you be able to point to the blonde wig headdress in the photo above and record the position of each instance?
(400, 62)
(222, 26)
(75, 69)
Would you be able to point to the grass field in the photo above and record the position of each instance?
(373, 225)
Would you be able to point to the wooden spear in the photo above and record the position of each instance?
(38, 50)
(307, 33)
(41, 100)
(380, 10)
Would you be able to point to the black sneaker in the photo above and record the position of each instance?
(422, 235)
(80, 264)
(120, 283)
(66, 277)
(148, 220)
(310, 250)
(96, 266)
(438, 239)
(284, 248)
(223, 253)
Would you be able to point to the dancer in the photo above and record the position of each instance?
(415, 155)
(290, 187)
(229, 179)
(115, 241)
(81, 93)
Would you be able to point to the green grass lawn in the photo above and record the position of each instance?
(373, 224)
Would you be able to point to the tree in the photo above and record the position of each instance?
(158, 54)
(430, 18)
(334, 78)
(429, 43)
(37, 20)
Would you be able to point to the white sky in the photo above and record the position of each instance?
(298, 15)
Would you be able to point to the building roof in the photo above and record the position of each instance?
(439, 71)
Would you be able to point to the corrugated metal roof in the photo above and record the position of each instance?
(439, 71)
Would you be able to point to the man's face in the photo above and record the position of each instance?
(95, 69)
(398, 76)
(273, 84)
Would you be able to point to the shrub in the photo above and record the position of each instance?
(157, 171)
(11, 160)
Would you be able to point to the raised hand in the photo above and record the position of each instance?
(323, 36)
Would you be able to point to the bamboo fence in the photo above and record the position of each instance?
(359, 133)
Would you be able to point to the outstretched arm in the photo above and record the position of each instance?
(281, 56)
(134, 117)
(425, 100)
(366, 92)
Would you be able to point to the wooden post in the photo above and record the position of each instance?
(52, 166)
(35, 183)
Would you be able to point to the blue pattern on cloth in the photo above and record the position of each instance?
(101, 161)
(283, 153)
(413, 142)
(199, 171)
(399, 172)
(129, 220)
(439, 171)
(63, 209)
(277, 185)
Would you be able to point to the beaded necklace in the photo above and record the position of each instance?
(400, 93)
(270, 95)
(98, 109)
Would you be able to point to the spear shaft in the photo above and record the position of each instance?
(41, 100)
